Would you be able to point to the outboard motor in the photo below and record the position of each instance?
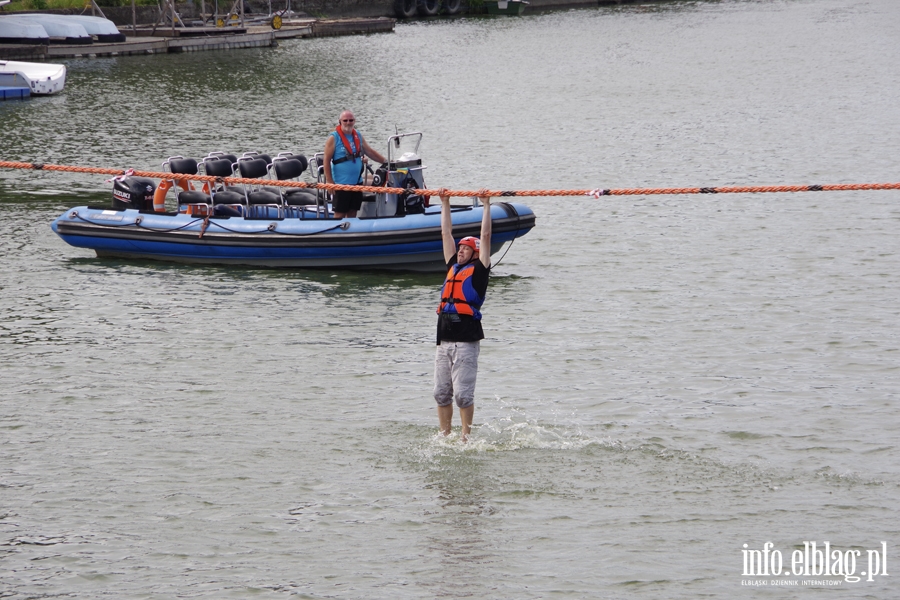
(409, 203)
(133, 192)
(403, 171)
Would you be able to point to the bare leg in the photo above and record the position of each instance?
(466, 415)
(445, 417)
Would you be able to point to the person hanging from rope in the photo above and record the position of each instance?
(345, 152)
(459, 331)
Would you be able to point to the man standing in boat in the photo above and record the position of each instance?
(459, 331)
(345, 152)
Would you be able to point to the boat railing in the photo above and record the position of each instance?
(395, 142)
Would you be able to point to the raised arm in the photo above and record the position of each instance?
(446, 226)
(486, 228)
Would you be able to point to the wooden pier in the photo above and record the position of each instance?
(146, 41)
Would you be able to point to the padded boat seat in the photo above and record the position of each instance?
(290, 168)
(257, 167)
(263, 197)
(192, 197)
(187, 166)
(300, 197)
(227, 197)
(221, 171)
(220, 155)
(218, 167)
(253, 168)
(228, 210)
(228, 204)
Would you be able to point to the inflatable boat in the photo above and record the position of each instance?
(280, 227)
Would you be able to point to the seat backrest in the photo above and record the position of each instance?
(185, 166)
(265, 157)
(253, 168)
(288, 168)
(218, 167)
(220, 154)
(319, 162)
(301, 158)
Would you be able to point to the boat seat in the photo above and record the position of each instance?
(301, 198)
(219, 155)
(225, 201)
(265, 157)
(218, 167)
(259, 200)
(232, 159)
(178, 164)
(193, 197)
(189, 200)
(289, 167)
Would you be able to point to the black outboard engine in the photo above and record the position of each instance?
(408, 202)
(133, 192)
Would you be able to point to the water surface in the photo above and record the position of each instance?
(665, 379)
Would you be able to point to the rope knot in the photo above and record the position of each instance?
(126, 173)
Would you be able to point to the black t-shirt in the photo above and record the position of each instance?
(463, 328)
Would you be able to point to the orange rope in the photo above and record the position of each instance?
(596, 193)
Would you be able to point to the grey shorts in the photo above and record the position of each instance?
(455, 370)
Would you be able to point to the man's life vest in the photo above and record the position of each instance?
(458, 295)
(351, 153)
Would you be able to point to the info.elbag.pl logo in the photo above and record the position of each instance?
(813, 564)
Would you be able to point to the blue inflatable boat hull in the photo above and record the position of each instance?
(410, 242)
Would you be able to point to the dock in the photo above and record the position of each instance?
(13, 87)
(14, 93)
(161, 41)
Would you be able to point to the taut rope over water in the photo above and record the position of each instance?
(595, 193)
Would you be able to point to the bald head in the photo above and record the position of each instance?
(347, 119)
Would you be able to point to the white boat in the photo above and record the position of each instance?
(22, 31)
(59, 31)
(42, 78)
(104, 30)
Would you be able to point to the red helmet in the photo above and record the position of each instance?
(472, 242)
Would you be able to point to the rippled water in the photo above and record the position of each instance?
(665, 379)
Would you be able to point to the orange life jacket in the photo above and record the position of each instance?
(351, 155)
(458, 295)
